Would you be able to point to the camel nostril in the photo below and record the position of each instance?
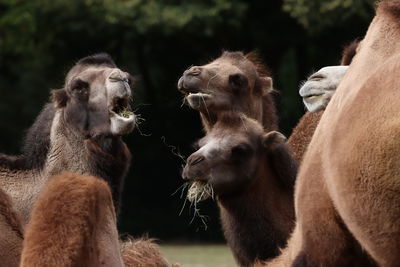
(316, 77)
(194, 71)
(195, 159)
(118, 76)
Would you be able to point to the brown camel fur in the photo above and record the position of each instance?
(348, 190)
(79, 131)
(349, 52)
(73, 223)
(232, 82)
(252, 175)
(11, 234)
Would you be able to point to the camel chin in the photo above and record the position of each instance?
(319, 88)
(198, 100)
(122, 125)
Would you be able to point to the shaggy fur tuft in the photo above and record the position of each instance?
(142, 252)
(97, 59)
(302, 134)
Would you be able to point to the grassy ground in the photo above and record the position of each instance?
(199, 255)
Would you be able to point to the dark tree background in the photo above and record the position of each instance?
(157, 40)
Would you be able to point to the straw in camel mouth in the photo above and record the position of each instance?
(199, 191)
(121, 107)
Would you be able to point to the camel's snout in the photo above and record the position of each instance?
(190, 80)
(118, 84)
(193, 169)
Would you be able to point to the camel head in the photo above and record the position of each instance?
(233, 81)
(229, 155)
(95, 98)
(319, 88)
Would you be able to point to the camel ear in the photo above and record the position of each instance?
(273, 139)
(264, 85)
(59, 97)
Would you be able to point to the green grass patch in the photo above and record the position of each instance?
(199, 255)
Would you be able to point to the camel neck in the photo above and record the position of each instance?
(258, 221)
(104, 156)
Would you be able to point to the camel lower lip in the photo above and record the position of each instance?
(128, 117)
(198, 95)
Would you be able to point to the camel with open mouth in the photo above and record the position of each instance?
(80, 131)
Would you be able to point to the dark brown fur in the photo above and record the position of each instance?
(302, 134)
(349, 52)
(256, 201)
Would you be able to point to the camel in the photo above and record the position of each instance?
(233, 81)
(252, 175)
(73, 223)
(79, 131)
(85, 122)
(213, 82)
(317, 92)
(347, 191)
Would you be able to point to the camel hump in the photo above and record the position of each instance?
(67, 222)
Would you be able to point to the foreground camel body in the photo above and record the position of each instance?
(79, 131)
(348, 189)
(252, 175)
(232, 82)
(74, 224)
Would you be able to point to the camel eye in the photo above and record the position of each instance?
(79, 85)
(80, 90)
(238, 81)
(131, 80)
(196, 145)
(241, 151)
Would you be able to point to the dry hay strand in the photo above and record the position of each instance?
(199, 191)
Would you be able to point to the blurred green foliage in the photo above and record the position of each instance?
(318, 15)
(157, 40)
